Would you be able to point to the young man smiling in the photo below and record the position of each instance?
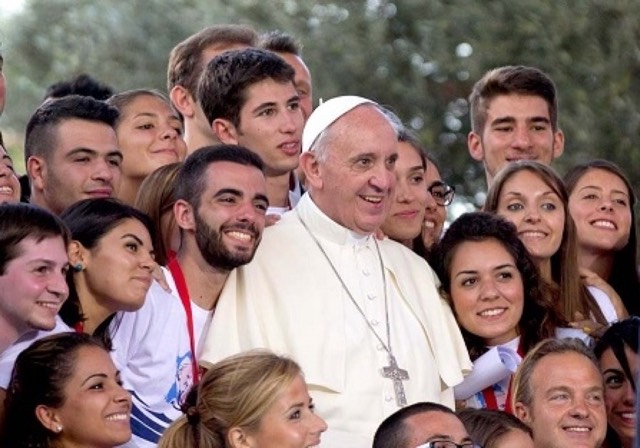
(71, 152)
(33, 266)
(220, 208)
(250, 99)
(514, 116)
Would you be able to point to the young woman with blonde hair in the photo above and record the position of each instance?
(254, 399)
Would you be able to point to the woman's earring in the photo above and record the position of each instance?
(78, 267)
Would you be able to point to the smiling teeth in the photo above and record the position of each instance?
(629, 415)
(429, 225)
(49, 305)
(118, 417)
(6, 190)
(240, 236)
(533, 234)
(373, 199)
(605, 224)
(578, 429)
(493, 312)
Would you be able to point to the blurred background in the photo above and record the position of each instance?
(420, 57)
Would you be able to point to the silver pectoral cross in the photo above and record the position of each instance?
(397, 375)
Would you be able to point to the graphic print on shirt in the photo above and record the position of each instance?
(183, 381)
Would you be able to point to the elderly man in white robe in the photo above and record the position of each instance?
(361, 315)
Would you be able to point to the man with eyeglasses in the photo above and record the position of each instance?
(423, 425)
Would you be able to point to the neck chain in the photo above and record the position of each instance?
(392, 371)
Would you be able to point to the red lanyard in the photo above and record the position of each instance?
(490, 395)
(183, 292)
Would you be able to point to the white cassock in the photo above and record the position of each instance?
(289, 300)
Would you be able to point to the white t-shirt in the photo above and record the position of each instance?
(8, 357)
(152, 350)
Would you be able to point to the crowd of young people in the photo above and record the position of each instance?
(131, 304)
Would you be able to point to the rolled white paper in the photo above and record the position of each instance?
(568, 332)
(492, 367)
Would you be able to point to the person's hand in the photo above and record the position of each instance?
(158, 275)
(590, 278)
(271, 220)
(589, 326)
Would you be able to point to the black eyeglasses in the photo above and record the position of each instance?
(448, 444)
(442, 193)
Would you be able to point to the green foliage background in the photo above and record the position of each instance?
(420, 57)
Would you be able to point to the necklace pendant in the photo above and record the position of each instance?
(397, 375)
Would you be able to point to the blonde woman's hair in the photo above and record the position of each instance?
(234, 393)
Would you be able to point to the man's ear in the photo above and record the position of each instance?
(521, 411)
(48, 417)
(182, 101)
(558, 143)
(225, 130)
(184, 215)
(474, 144)
(37, 172)
(312, 172)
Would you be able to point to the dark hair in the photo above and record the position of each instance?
(82, 84)
(280, 42)
(226, 78)
(156, 196)
(508, 80)
(191, 180)
(39, 376)
(624, 272)
(540, 316)
(573, 296)
(40, 136)
(410, 138)
(487, 426)
(621, 334)
(89, 220)
(392, 431)
(185, 60)
(19, 221)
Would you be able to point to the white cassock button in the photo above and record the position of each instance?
(371, 296)
(374, 322)
(366, 272)
(379, 347)
(388, 398)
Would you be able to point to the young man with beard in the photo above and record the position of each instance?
(220, 209)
